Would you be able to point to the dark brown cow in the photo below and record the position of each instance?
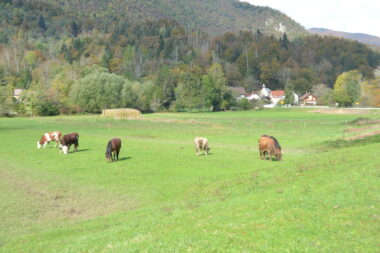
(68, 140)
(114, 146)
(268, 145)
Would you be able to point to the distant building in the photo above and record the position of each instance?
(276, 96)
(253, 96)
(308, 99)
(264, 92)
(17, 93)
(238, 92)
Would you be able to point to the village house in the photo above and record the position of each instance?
(238, 92)
(17, 93)
(253, 96)
(270, 98)
(276, 96)
(308, 99)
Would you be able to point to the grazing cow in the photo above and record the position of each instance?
(114, 146)
(68, 140)
(201, 143)
(48, 137)
(268, 145)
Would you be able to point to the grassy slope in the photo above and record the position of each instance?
(161, 197)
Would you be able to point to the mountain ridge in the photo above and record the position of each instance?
(212, 16)
(360, 37)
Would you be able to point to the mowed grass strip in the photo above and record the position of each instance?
(160, 197)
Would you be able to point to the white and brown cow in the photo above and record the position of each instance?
(201, 143)
(67, 141)
(48, 137)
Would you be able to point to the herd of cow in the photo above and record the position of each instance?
(268, 145)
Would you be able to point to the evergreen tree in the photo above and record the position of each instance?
(41, 23)
(74, 28)
(107, 57)
(284, 42)
(289, 94)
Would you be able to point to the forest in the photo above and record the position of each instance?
(67, 63)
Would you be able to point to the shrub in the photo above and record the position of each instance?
(46, 108)
(244, 104)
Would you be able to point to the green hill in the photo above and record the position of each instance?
(212, 16)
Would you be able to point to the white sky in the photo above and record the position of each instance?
(356, 16)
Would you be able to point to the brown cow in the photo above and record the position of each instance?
(201, 143)
(48, 137)
(68, 140)
(114, 146)
(268, 145)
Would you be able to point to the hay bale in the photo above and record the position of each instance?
(123, 113)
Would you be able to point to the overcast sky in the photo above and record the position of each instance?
(356, 16)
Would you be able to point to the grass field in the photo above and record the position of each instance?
(160, 197)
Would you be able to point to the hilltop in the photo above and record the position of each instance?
(211, 16)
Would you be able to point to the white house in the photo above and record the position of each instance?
(253, 96)
(309, 99)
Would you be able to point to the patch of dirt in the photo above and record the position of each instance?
(364, 121)
(360, 129)
(362, 136)
(341, 111)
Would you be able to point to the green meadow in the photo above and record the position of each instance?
(160, 197)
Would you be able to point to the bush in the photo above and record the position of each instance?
(244, 104)
(46, 108)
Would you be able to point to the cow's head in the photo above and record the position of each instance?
(38, 145)
(278, 154)
(65, 149)
(109, 157)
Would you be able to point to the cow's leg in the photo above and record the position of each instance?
(117, 154)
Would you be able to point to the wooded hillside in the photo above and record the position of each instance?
(50, 48)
